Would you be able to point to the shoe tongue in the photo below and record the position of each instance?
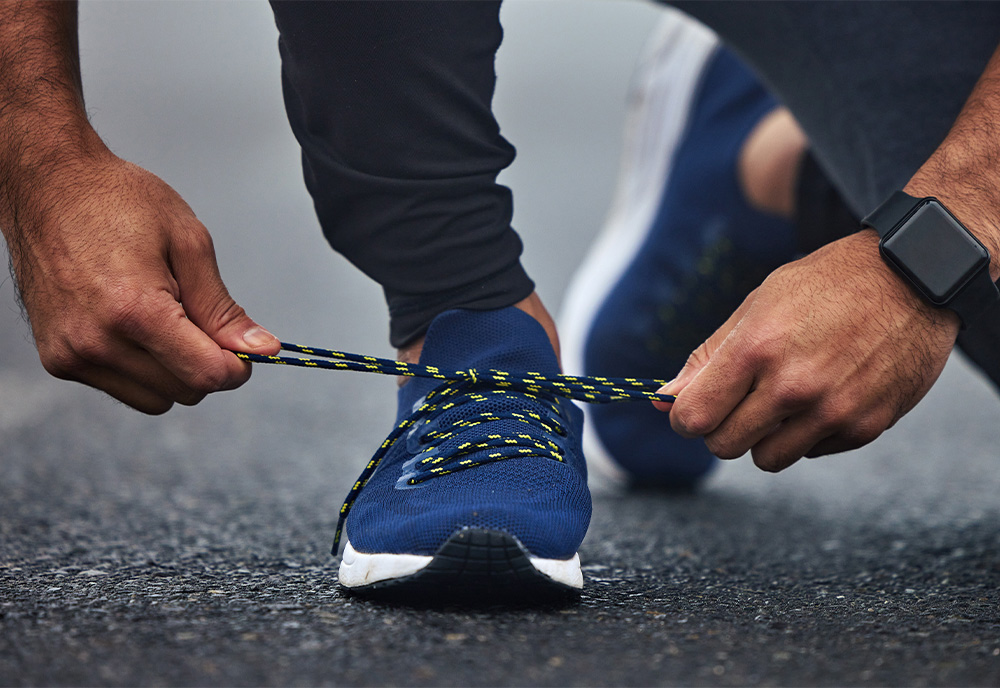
(506, 339)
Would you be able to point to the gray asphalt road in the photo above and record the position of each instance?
(192, 549)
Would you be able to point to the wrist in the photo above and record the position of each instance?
(897, 290)
(897, 297)
(37, 195)
(40, 173)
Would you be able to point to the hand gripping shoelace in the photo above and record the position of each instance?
(470, 386)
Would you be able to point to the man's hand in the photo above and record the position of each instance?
(120, 283)
(824, 356)
(117, 276)
(833, 349)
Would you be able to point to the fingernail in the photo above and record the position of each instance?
(257, 337)
(668, 388)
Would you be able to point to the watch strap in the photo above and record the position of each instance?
(979, 295)
(892, 211)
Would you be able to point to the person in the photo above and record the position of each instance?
(718, 188)
(391, 104)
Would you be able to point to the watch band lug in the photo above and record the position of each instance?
(890, 213)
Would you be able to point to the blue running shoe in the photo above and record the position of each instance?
(692, 258)
(483, 496)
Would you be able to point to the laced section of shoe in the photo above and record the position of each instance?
(440, 451)
(527, 397)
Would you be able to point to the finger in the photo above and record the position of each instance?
(144, 369)
(856, 435)
(92, 363)
(823, 428)
(834, 444)
(157, 324)
(124, 390)
(791, 441)
(193, 357)
(725, 376)
(759, 414)
(208, 303)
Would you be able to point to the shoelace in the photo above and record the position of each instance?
(470, 386)
(440, 452)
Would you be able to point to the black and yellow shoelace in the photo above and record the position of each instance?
(463, 387)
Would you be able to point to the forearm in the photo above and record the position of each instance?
(964, 171)
(45, 138)
(43, 122)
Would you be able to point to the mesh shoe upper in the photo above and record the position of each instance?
(534, 489)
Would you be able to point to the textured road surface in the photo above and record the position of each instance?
(192, 549)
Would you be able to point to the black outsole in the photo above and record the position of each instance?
(473, 567)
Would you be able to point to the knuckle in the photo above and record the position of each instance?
(229, 313)
(208, 379)
(829, 418)
(155, 408)
(91, 348)
(724, 448)
(850, 422)
(691, 419)
(772, 462)
(190, 397)
(795, 392)
(698, 358)
(140, 313)
(863, 431)
(763, 345)
(196, 241)
(213, 375)
(60, 361)
(130, 311)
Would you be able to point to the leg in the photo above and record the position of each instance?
(391, 103)
(479, 490)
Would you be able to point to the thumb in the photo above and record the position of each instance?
(700, 357)
(208, 304)
(696, 362)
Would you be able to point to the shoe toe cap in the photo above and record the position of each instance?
(543, 503)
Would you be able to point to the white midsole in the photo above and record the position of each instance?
(358, 569)
(663, 88)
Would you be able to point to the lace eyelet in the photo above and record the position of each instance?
(417, 438)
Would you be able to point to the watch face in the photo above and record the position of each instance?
(935, 251)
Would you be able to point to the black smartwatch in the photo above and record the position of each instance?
(935, 254)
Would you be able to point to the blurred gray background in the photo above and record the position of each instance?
(192, 548)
